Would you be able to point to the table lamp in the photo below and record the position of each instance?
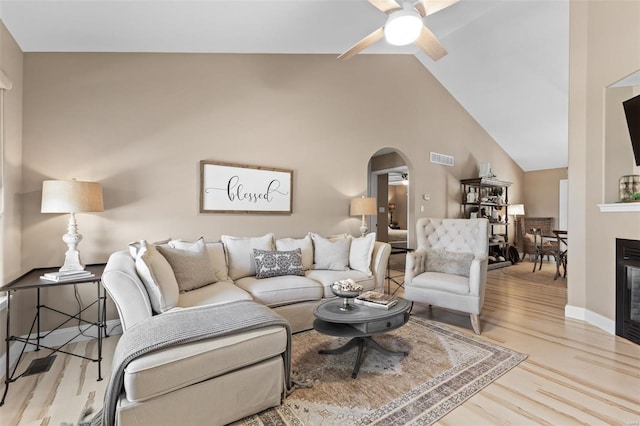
(516, 210)
(71, 196)
(363, 207)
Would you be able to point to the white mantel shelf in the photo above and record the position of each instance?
(619, 207)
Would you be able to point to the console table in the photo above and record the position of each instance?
(32, 280)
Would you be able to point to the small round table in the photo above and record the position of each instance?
(360, 323)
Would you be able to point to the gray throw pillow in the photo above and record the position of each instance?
(191, 266)
(449, 262)
(278, 263)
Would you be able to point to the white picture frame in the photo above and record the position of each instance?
(238, 188)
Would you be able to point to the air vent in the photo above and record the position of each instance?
(445, 160)
(39, 365)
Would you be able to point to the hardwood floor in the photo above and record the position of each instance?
(575, 373)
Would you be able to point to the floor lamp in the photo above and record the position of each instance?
(516, 210)
(71, 196)
(363, 207)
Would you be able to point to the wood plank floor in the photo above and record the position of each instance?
(575, 373)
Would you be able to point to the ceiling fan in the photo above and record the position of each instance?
(404, 26)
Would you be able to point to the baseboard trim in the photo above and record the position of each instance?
(591, 317)
(54, 339)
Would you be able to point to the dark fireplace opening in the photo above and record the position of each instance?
(628, 289)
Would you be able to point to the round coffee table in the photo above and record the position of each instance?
(360, 323)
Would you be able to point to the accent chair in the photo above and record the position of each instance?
(449, 266)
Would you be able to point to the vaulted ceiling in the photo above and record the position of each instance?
(507, 63)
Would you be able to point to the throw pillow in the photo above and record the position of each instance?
(158, 277)
(216, 256)
(360, 252)
(191, 265)
(304, 244)
(134, 247)
(331, 255)
(240, 253)
(277, 263)
(449, 262)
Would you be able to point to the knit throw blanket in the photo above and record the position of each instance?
(185, 326)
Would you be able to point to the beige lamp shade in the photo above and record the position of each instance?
(363, 206)
(71, 196)
(516, 210)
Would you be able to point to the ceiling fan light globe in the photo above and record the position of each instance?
(403, 27)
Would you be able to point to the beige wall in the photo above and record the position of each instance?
(604, 47)
(542, 193)
(10, 219)
(140, 123)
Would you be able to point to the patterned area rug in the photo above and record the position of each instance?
(443, 369)
(546, 275)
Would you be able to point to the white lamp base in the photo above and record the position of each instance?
(72, 261)
(72, 238)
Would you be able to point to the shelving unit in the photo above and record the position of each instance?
(489, 197)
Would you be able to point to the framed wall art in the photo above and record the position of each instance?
(236, 188)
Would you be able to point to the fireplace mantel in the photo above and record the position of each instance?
(619, 207)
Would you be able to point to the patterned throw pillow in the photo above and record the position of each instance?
(449, 262)
(277, 263)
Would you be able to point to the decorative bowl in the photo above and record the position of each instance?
(345, 293)
(346, 289)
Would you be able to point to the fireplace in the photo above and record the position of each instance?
(628, 289)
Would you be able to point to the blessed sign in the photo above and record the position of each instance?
(234, 188)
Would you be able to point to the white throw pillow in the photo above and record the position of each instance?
(190, 264)
(304, 244)
(134, 247)
(158, 278)
(331, 255)
(360, 253)
(240, 253)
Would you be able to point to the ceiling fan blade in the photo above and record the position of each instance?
(428, 7)
(385, 5)
(430, 44)
(372, 38)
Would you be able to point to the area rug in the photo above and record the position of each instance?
(546, 275)
(443, 369)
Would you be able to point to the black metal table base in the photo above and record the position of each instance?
(361, 343)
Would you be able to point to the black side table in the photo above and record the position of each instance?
(32, 280)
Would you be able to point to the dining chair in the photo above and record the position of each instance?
(562, 247)
(543, 247)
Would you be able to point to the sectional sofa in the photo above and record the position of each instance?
(222, 379)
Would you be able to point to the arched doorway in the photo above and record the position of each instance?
(389, 183)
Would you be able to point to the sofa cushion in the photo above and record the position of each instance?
(170, 369)
(190, 263)
(157, 276)
(360, 252)
(283, 290)
(220, 292)
(278, 263)
(326, 278)
(439, 281)
(304, 244)
(240, 253)
(449, 262)
(332, 254)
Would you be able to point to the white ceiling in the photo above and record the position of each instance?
(507, 62)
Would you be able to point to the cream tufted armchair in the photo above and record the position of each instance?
(449, 267)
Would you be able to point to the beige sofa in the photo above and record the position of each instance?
(224, 379)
